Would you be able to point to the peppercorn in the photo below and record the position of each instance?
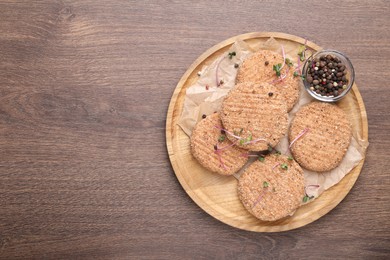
(266, 63)
(326, 76)
(204, 116)
(309, 79)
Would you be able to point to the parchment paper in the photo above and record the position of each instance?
(205, 97)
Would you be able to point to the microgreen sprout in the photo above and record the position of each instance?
(218, 151)
(303, 132)
(276, 165)
(277, 68)
(284, 166)
(243, 141)
(302, 52)
(281, 78)
(225, 147)
(265, 189)
(306, 198)
(246, 140)
(220, 160)
(289, 62)
(235, 134)
(257, 140)
(260, 197)
(297, 71)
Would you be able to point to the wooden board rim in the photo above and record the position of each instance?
(171, 123)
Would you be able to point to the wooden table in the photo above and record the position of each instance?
(85, 88)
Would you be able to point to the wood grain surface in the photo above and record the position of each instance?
(84, 92)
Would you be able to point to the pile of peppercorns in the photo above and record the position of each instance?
(327, 76)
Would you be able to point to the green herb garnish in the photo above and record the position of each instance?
(284, 166)
(231, 54)
(277, 68)
(289, 63)
(265, 184)
(301, 52)
(290, 158)
(295, 74)
(278, 152)
(221, 138)
(261, 158)
(246, 140)
(307, 198)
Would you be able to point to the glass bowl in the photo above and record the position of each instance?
(328, 75)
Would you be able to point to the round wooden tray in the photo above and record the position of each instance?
(217, 195)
